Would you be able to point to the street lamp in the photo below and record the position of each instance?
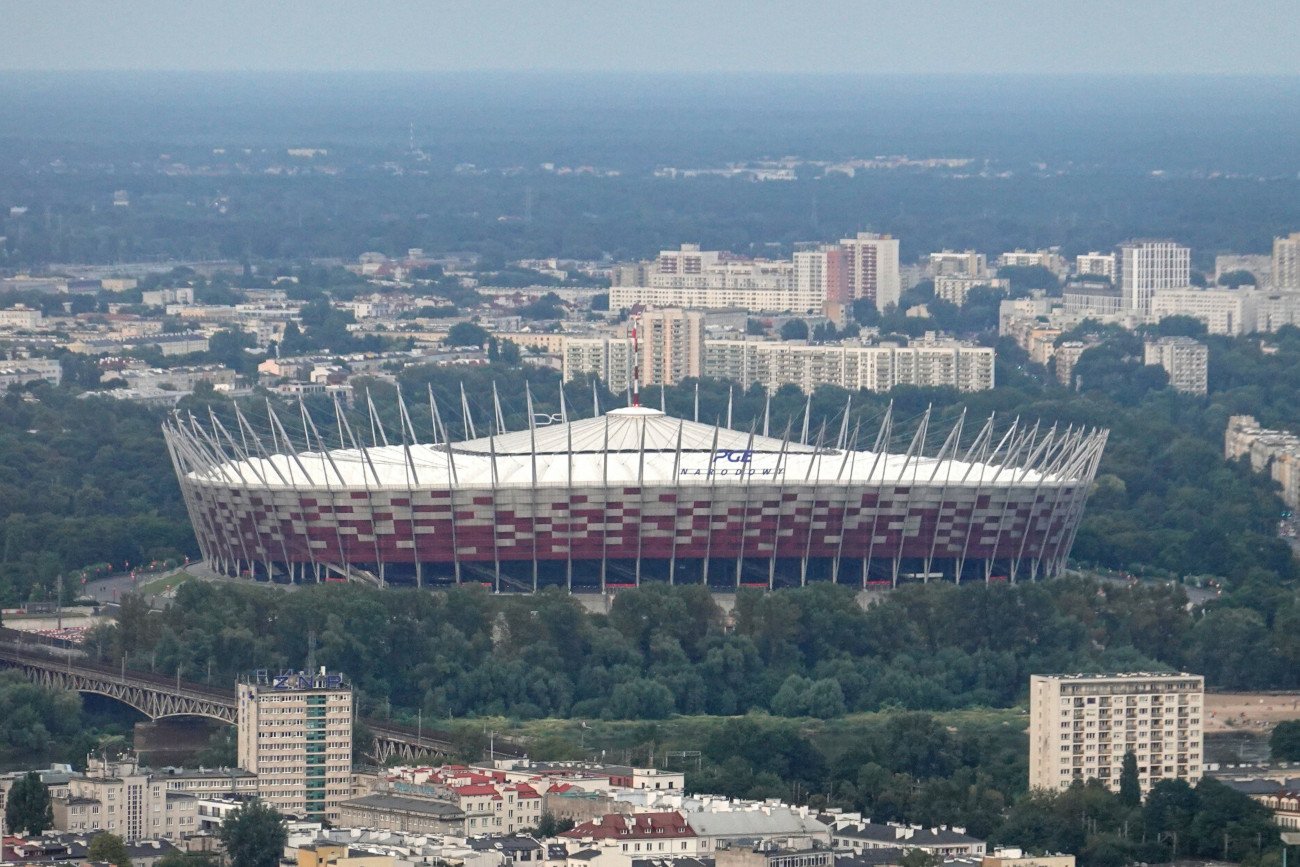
(1289, 838)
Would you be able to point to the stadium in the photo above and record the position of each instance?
(632, 496)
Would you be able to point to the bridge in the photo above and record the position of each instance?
(56, 666)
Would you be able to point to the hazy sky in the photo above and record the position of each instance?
(866, 36)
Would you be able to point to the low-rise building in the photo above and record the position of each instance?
(852, 833)
(640, 834)
(402, 813)
(126, 800)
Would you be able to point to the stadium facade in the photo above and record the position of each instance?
(633, 496)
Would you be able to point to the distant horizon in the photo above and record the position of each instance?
(1251, 37)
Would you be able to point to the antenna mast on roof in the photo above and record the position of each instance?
(636, 367)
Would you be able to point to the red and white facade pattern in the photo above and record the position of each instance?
(732, 510)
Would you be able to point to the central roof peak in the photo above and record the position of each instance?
(642, 411)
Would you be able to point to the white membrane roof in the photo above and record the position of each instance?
(609, 450)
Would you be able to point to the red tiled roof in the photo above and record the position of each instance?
(473, 790)
(638, 826)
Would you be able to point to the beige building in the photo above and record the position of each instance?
(295, 733)
(1067, 356)
(1275, 452)
(1081, 727)
(1184, 359)
(124, 799)
(404, 813)
(1018, 858)
(671, 345)
(340, 855)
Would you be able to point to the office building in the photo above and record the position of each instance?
(1145, 267)
(295, 733)
(1184, 359)
(1081, 726)
(873, 268)
(1286, 263)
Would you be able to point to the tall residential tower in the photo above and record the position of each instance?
(295, 733)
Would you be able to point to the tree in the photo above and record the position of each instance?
(549, 826)
(110, 848)
(919, 858)
(467, 334)
(1130, 790)
(1234, 279)
(794, 329)
(1284, 743)
(28, 809)
(754, 328)
(254, 835)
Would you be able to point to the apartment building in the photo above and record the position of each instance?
(1286, 263)
(1276, 452)
(873, 271)
(1067, 356)
(671, 345)
(1095, 264)
(1081, 726)
(1184, 359)
(295, 733)
(822, 273)
(925, 362)
(609, 359)
(1224, 311)
(966, 263)
(1144, 267)
(767, 299)
(954, 288)
(122, 798)
(1049, 259)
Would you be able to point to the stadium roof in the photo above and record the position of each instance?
(630, 446)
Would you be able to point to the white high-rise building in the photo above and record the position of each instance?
(1081, 726)
(295, 733)
(1286, 263)
(872, 262)
(1143, 267)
